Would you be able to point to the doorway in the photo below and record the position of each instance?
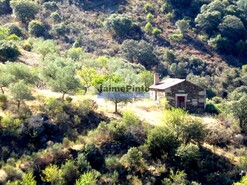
(181, 102)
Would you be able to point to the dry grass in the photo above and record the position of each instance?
(147, 110)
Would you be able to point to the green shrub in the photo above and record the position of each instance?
(178, 178)
(14, 29)
(70, 172)
(189, 155)
(150, 17)
(3, 101)
(112, 163)
(8, 51)
(119, 24)
(193, 130)
(170, 56)
(148, 7)
(183, 26)
(166, 8)
(211, 108)
(24, 10)
(28, 179)
(174, 118)
(156, 31)
(36, 28)
(56, 17)
(82, 163)
(13, 37)
(88, 178)
(59, 30)
(133, 160)
(161, 141)
(5, 7)
(52, 5)
(130, 118)
(52, 174)
(148, 27)
(75, 54)
(9, 124)
(94, 156)
(27, 46)
(176, 37)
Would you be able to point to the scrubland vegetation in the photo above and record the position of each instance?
(75, 48)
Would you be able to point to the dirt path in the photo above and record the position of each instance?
(146, 110)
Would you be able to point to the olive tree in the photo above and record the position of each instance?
(44, 47)
(8, 78)
(20, 91)
(59, 74)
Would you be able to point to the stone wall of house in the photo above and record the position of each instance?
(195, 96)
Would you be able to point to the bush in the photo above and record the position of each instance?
(133, 160)
(8, 51)
(94, 156)
(147, 7)
(119, 24)
(113, 163)
(70, 172)
(75, 54)
(27, 46)
(178, 178)
(24, 10)
(13, 37)
(194, 130)
(150, 17)
(211, 108)
(36, 28)
(28, 179)
(59, 30)
(82, 163)
(176, 37)
(148, 27)
(88, 178)
(14, 29)
(56, 17)
(52, 5)
(52, 174)
(161, 141)
(189, 155)
(5, 7)
(139, 52)
(156, 31)
(183, 26)
(3, 101)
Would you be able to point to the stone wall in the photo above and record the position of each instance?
(195, 96)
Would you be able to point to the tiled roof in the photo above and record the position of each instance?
(169, 82)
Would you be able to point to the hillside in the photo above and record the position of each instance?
(56, 56)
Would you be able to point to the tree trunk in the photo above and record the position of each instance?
(63, 96)
(85, 90)
(116, 111)
(2, 90)
(18, 104)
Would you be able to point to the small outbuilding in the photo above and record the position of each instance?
(179, 93)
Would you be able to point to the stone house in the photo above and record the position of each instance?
(179, 93)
